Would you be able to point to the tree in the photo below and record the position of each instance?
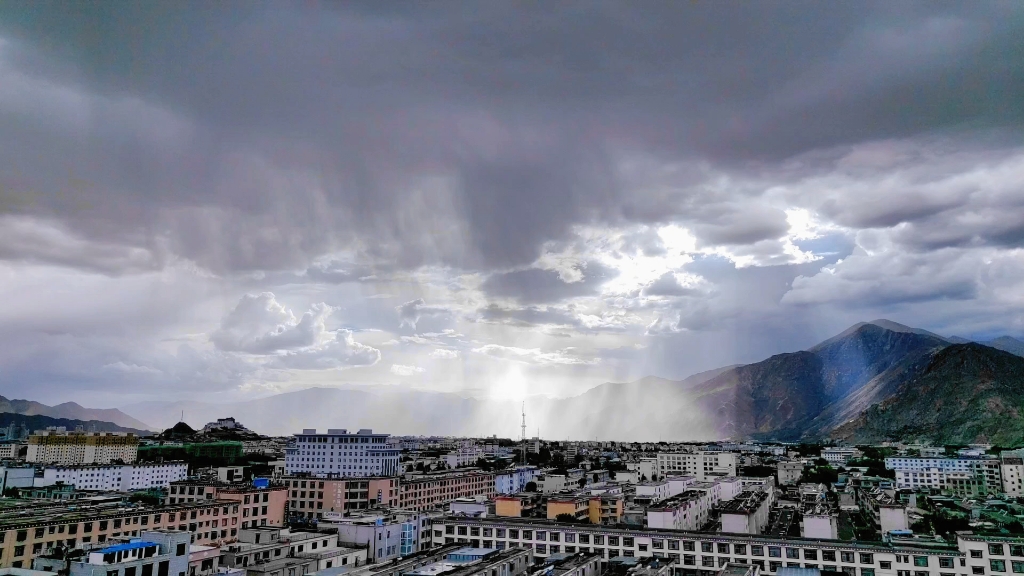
(565, 518)
(531, 486)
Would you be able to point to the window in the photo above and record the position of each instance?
(921, 561)
(723, 548)
(689, 559)
(775, 552)
(884, 565)
(598, 539)
(756, 550)
(739, 549)
(706, 547)
(19, 551)
(180, 550)
(147, 570)
(527, 534)
(162, 569)
(613, 540)
(542, 535)
(130, 570)
(867, 572)
(449, 529)
(977, 569)
(1016, 550)
(995, 549)
(462, 530)
(499, 532)
(977, 553)
(866, 558)
(810, 554)
(828, 555)
(627, 541)
(1018, 566)
(707, 561)
(542, 549)
(584, 538)
(793, 553)
(997, 565)
(846, 556)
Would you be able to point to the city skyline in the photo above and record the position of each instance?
(505, 202)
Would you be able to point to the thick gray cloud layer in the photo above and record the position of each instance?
(514, 174)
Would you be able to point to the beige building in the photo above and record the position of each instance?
(71, 448)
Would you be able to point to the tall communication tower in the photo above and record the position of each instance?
(523, 433)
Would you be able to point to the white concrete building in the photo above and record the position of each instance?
(339, 453)
(747, 513)
(514, 481)
(947, 473)
(790, 472)
(820, 524)
(463, 457)
(1011, 468)
(700, 465)
(646, 467)
(115, 477)
(654, 492)
(839, 456)
(10, 450)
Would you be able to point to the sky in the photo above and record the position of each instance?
(223, 201)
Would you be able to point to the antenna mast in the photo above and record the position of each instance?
(523, 433)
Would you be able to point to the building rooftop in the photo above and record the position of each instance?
(127, 546)
(24, 513)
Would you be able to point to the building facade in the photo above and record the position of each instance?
(29, 529)
(154, 553)
(967, 476)
(260, 506)
(704, 554)
(115, 477)
(434, 490)
(70, 448)
(514, 481)
(701, 465)
(341, 454)
(313, 497)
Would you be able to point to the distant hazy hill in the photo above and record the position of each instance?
(38, 422)
(72, 411)
(805, 394)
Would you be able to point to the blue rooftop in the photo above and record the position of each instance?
(128, 546)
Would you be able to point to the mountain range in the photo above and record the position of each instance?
(71, 411)
(876, 380)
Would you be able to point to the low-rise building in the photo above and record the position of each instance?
(154, 553)
(433, 490)
(839, 455)
(386, 534)
(517, 505)
(313, 497)
(790, 472)
(278, 552)
(260, 505)
(515, 480)
(747, 513)
(964, 476)
(885, 510)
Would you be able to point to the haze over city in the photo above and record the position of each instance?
(222, 202)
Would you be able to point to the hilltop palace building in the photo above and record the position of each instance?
(339, 453)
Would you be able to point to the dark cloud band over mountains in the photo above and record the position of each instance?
(567, 178)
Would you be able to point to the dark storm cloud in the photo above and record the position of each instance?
(535, 286)
(259, 136)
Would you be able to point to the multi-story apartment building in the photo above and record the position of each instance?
(160, 552)
(433, 490)
(700, 465)
(341, 454)
(385, 534)
(10, 450)
(116, 477)
(1011, 468)
(31, 528)
(839, 455)
(514, 481)
(70, 448)
(280, 551)
(966, 476)
(260, 506)
(481, 562)
(703, 553)
(313, 497)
